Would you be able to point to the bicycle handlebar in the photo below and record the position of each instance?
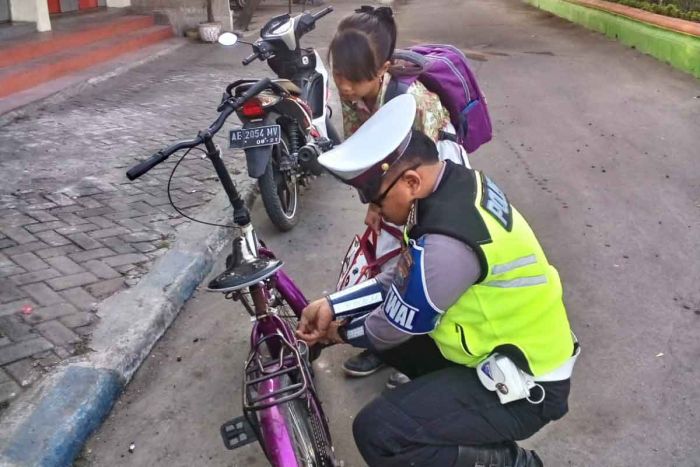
(144, 166)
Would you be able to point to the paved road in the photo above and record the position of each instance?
(597, 145)
(173, 410)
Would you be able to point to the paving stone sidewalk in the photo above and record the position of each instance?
(73, 229)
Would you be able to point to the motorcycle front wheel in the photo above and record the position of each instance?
(280, 191)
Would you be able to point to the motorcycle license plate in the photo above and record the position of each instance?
(254, 137)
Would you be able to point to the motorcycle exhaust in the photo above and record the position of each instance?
(308, 158)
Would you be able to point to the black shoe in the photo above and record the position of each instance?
(500, 455)
(527, 458)
(363, 364)
(397, 379)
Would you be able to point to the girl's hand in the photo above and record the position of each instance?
(373, 219)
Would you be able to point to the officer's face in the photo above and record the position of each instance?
(397, 195)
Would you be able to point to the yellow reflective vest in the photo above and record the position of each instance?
(516, 307)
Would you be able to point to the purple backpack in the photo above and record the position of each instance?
(444, 70)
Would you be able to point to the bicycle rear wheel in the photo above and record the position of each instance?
(310, 441)
(290, 425)
(303, 432)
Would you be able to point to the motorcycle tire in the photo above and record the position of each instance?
(280, 192)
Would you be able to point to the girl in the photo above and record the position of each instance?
(360, 55)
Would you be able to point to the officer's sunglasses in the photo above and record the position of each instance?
(380, 198)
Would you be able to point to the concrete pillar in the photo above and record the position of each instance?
(222, 14)
(244, 17)
(118, 3)
(33, 11)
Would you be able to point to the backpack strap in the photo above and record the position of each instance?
(419, 63)
(382, 260)
(379, 262)
(395, 88)
(403, 77)
(391, 230)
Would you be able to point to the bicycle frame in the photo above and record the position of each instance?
(254, 268)
(280, 339)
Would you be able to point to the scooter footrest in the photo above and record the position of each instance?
(237, 432)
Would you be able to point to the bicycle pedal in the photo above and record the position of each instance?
(237, 432)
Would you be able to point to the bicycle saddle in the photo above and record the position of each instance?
(243, 269)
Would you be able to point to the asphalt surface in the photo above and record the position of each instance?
(597, 145)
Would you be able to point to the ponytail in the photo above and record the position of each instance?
(363, 42)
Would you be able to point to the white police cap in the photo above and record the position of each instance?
(367, 155)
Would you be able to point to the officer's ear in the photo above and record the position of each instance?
(413, 181)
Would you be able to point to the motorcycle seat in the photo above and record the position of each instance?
(289, 86)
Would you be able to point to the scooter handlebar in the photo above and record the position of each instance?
(320, 14)
(249, 59)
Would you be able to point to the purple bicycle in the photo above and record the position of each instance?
(280, 407)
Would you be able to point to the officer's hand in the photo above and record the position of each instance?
(332, 336)
(315, 321)
(373, 219)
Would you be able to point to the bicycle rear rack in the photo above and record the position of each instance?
(262, 371)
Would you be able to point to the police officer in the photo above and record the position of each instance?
(473, 313)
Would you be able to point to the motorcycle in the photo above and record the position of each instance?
(287, 126)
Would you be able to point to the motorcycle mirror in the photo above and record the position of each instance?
(228, 38)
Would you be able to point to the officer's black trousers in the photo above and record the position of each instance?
(423, 422)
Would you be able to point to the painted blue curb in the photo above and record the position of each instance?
(70, 408)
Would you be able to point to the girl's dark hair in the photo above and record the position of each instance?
(363, 42)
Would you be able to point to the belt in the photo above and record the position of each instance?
(564, 371)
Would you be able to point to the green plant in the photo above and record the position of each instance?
(683, 9)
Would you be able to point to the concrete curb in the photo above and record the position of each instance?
(48, 425)
(680, 50)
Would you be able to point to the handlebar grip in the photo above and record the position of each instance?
(249, 59)
(144, 166)
(323, 13)
(255, 89)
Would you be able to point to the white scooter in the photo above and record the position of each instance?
(287, 126)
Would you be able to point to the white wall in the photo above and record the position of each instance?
(118, 3)
(34, 11)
